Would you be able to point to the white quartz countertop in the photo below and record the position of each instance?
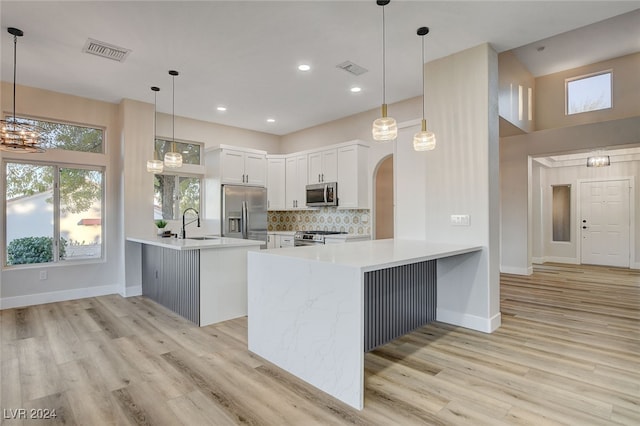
(190, 244)
(373, 254)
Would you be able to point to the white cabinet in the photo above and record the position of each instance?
(323, 166)
(352, 177)
(286, 241)
(243, 167)
(271, 241)
(296, 181)
(276, 183)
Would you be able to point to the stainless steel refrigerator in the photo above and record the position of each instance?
(244, 212)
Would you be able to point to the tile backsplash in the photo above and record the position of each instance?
(322, 219)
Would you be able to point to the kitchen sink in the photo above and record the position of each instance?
(206, 237)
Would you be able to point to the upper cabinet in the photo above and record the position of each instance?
(352, 180)
(296, 181)
(276, 182)
(323, 166)
(243, 167)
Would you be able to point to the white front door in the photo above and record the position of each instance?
(604, 222)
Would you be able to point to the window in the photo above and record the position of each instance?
(173, 194)
(190, 151)
(53, 213)
(561, 212)
(69, 137)
(588, 93)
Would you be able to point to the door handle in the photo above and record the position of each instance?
(584, 227)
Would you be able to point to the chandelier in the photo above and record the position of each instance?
(16, 136)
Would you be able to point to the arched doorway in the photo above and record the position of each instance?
(383, 199)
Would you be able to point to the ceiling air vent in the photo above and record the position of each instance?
(106, 50)
(352, 68)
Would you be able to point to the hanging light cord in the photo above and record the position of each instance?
(384, 61)
(423, 100)
(15, 47)
(173, 112)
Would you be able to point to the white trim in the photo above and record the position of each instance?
(131, 291)
(538, 260)
(57, 296)
(485, 325)
(516, 270)
(635, 265)
(558, 259)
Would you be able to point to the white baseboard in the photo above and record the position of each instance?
(57, 296)
(131, 291)
(516, 270)
(485, 325)
(538, 260)
(556, 259)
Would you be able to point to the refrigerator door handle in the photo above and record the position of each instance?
(245, 220)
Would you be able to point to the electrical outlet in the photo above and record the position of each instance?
(459, 219)
(43, 275)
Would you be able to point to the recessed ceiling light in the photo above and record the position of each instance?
(356, 89)
(271, 120)
(222, 108)
(304, 67)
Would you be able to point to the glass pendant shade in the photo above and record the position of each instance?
(173, 159)
(384, 128)
(424, 140)
(155, 166)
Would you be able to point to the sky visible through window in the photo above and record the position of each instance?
(589, 93)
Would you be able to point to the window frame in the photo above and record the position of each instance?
(583, 77)
(103, 150)
(56, 261)
(177, 175)
(180, 141)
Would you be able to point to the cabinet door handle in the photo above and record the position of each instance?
(323, 177)
(247, 181)
(319, 178)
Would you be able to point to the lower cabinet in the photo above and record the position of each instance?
(172, 279)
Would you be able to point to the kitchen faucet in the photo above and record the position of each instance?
(184, 231)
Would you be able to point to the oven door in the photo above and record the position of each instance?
(299, 243)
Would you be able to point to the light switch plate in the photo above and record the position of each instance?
(460, 219)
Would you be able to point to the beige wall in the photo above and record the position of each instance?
(99, 277)
(384, 199)
(356, 126)
(129, 188)
(550, 94)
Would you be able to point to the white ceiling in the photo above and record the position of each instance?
(244, 54)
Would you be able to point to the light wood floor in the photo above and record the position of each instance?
(568, 352)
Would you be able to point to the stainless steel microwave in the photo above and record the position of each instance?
(322, 194)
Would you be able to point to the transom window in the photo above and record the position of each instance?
(588, 93)
(70, 137)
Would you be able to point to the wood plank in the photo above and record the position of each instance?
(567, 353)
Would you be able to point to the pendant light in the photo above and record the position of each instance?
(155, 165)
(423, 140)
(173, 159)
(384, 128)
(15, 136)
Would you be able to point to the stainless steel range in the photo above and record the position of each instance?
(310, 238)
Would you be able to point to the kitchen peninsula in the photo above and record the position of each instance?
(314, 311)
(203, 279)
